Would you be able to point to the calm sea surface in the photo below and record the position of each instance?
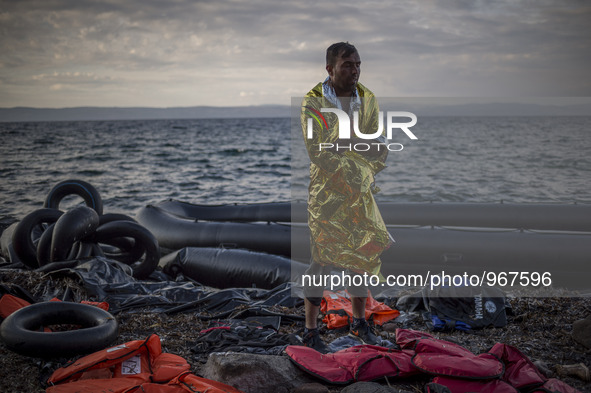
(134, 163)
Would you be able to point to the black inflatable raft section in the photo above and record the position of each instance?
(229, 268)
(556, 217)
(456, 238)
(175, 232)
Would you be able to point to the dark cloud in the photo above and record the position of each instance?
(169, 53)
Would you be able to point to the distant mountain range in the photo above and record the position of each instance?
(23, 114)
(103, 113)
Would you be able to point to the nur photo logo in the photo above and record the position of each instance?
(374, 139)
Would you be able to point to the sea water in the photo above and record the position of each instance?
(218, 161)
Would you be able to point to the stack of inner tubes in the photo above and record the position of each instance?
(48, 239)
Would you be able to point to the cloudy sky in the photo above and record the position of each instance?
(66, 53)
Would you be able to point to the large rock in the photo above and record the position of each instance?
(582, 331)
(255, 373)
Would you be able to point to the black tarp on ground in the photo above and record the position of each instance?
(246, 336)
(110, 281)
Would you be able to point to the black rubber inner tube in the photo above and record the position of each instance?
(110, 217)
(75, 225)
(85, 250)
(53, 266)
(122, 249)
(22, 238)
(81, 188)
(21, 333)
(44, 246)
(142, 237)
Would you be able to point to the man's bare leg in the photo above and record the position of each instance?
(311, 313)
(358, 306)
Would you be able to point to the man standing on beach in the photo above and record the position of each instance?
(347, 230)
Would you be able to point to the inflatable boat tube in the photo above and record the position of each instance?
(554, 217)
(239, 213)
(423, 250)
(81, 188)
(142, 237)
(558, 217)
(22, 237)
(558, 242)
(176, 232)
(231, 268)
(19, 331)
(75, 225)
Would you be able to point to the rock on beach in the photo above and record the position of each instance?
(254, 373)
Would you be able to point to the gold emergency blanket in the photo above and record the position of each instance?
(346, 227)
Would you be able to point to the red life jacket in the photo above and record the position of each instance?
(440, 357)
(503, 369)
(358, 363)
(520, 372)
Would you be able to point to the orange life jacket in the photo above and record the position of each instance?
(10, 303)
(338, 311)
(136, 366)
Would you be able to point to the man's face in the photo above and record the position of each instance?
(345, 73)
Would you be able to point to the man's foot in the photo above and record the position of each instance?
(363, 332)
(312, 340)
